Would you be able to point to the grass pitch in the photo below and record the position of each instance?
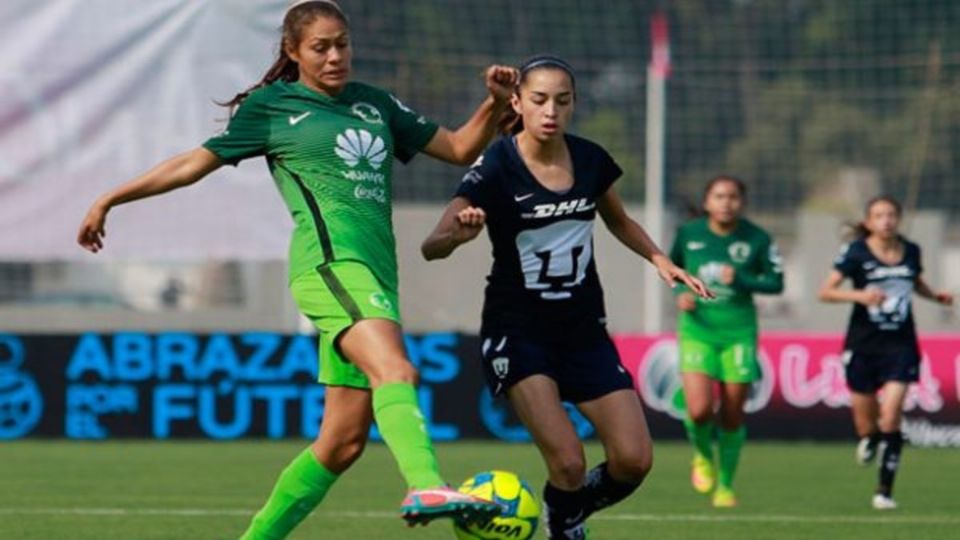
(202, 490)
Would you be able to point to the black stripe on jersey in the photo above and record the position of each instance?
(340, 292)
(322, 233)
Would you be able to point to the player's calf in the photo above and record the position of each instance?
(602, 490)
(867, 448)
(889, 463)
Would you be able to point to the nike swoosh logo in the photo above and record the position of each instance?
(521, 198)
(294, 120)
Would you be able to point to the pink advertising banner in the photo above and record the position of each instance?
(803, 392)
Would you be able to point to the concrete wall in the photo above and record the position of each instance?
(448, 294)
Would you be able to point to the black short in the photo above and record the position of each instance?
(585, 371)
(866, 373)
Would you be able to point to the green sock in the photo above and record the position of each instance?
(401, 424)
(701, 435)
(730, 444)
(300, 488)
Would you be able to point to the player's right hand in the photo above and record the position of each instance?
(686, 301)
(92, 230)
(501, 82)
(470, 222)
(871, 296)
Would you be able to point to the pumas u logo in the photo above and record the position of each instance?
(354, 145)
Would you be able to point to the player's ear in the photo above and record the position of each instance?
(515, 102)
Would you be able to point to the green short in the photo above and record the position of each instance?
(335, 297)
(734, 362)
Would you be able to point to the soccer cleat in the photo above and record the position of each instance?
(724, 498)
(882, 502)
(422, 506)
(702, 475)
(866, 451)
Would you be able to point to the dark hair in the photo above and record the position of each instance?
(512, 123)
(719, 179)
(295, 20)
(859, 229)
(696, 210)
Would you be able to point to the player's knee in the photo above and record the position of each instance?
(632, 468)
(700, 415)
(394, 370)
(568, 469)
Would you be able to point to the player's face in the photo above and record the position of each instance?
(723, 203)
(324, 55)
(883, 220)
(545, 102)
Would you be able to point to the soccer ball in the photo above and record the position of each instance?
(518, 522)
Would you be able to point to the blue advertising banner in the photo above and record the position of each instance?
(219, 386)
(263, 385)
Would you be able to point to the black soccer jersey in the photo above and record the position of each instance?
(543, 276)
(889, 327)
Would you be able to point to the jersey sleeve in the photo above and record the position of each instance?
(844, 263)
(411, 131)
(767, 276)
(919, 259)
(477, 184)
(246, 135)
(608, 172)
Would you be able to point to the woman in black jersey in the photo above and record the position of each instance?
(881, 350)
(544, 337)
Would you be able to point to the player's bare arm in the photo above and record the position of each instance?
(177, 172)
(464, 145)
(831, 291)
(924, 290)
(459, 224)
(632, 235)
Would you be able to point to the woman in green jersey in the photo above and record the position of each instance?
(329, 144)
(718, 338)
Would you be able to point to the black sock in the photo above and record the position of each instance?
(889, 461)
(565, 512)
(602, 490)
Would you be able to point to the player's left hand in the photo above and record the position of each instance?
(945, 298)
(673, 274)
(727, 274)
(501, 82)
(470, 222)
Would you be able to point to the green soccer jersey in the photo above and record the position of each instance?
(331, 158)
(731, 316)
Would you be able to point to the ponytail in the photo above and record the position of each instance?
(283, 69)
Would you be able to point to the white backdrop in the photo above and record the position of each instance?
(94, 92)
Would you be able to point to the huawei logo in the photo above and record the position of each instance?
(354, 145)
